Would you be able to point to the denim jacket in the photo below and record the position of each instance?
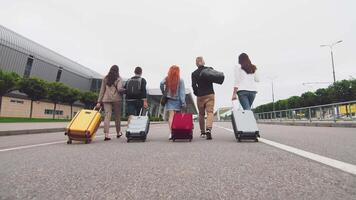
(180, 94)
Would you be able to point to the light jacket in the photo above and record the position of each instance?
(110, 93)
(180, 94)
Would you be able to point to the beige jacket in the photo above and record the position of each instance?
(110, 93)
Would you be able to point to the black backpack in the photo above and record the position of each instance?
(133, 87)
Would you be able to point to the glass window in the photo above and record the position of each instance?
(59, 74)
(28, 67)
(50, 112)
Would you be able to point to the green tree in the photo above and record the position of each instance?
(322, 96)
(56, 93)
(308, 99)
(294, 102)
(342, 91)
(36, 89)
(71, 97)
(89, 99)
(8, 82)
(353, 88)
(281, 104)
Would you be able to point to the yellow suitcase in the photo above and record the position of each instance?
(83, 126)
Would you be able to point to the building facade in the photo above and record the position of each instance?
(30, 59)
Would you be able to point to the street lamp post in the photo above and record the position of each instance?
(333, 66)
(332, 55)
(273, 106)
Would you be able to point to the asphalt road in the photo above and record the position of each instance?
(159, 169)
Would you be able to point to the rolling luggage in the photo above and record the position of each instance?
(83, 126)
(182, 126)
(210, 74)
(244, 124)
(138, 127)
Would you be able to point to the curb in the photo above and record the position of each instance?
(49, 130)
(315, 124)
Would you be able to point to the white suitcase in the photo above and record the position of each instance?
(244, 124)
(138, 128)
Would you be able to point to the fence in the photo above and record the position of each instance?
(343, 111)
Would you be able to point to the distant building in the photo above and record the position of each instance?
(223, 114)
(154, 98)
(30, 59)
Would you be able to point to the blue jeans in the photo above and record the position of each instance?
(246, 98)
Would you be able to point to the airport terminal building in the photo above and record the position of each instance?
(30, 59)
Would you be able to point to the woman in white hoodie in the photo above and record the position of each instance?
(245, 82)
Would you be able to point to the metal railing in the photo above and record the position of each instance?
(343, 111)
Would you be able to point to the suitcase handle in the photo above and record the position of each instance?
(99, 110)
(141, 111)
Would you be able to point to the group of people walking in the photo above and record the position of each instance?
(174, 92)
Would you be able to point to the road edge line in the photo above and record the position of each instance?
(343, 166)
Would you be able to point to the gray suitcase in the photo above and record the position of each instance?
(244, 124)
(138, 128)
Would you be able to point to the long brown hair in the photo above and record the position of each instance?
(246, 64)
(173, 79)
(113, 75)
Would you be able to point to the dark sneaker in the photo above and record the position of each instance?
(208, 135)
(203, 135)
(107, 139)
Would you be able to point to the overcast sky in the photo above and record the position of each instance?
(282, 37)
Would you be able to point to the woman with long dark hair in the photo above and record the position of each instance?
(173, 87)
(111, 97)
(245, 82)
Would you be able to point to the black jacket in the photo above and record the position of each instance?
(201, 87)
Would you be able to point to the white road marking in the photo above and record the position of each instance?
(41, 144)
(30, 146)
(346, 167)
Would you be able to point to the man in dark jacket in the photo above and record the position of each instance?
(204, 91)
(136, 93)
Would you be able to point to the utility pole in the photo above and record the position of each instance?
(333, 65)
(332, 55)
(273, 109)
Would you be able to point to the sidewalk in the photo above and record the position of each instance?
(41, 127)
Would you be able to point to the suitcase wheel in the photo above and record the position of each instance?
(238, 140)
(256, 140)
(87, 141)
(174, 140)
(69, 142)
(190, 140)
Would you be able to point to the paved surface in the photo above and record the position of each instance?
(23, 126)
(31, 125)
(158, 169)
(8, 129)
